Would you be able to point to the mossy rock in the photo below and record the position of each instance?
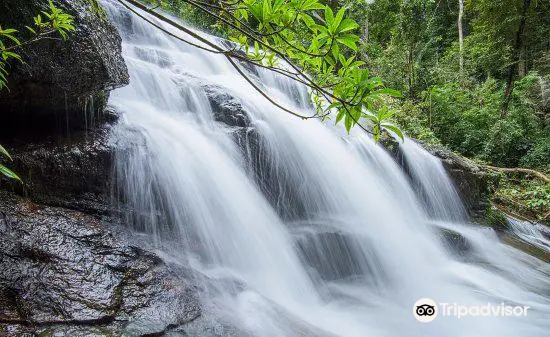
(527, 247)
(497, 220)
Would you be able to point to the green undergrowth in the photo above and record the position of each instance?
(524, 195)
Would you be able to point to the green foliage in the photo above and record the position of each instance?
(497, 220)
(3, 169)
(380, 121)
(415, 119)
(309, 42)
(188, 13)
(531, 197)
(413, 45)
(324, 45)
(537, 156)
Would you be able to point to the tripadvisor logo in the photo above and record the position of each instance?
(425, 310)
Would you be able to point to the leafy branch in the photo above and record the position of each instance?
(317, 47)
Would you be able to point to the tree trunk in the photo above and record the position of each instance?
(522, 66)
(460, 35)
(367, 29)
(410, 66)
(516, 58)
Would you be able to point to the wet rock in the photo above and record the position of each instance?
(527, 247)
(73, 172)
(227, 109)
(456, 242)
(64, 273)
(274, 183)
(474, 183)
(334, 255)
(62, 83)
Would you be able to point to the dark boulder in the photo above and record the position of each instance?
(334, 255)
(62, 84)
(63, 271)
(226, 108)
(276, 186)
(72, 172)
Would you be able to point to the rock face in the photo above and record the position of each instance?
(62, 271)
(70, 172)
(63, 84)
(474, 183)
(275, 185)
(68, 266)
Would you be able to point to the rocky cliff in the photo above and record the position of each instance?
(62, 84)
(67, 265)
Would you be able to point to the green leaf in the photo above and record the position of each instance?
(11, 37)
(310, 5)
(7, 54)
(329, 16)
(348, 41)
(347, 25)
(348, 121)
(372, 118)
(266, 10)
(394, 129)
(333, 105)
(339, 116)
(338, 18)
(8, 31)
(31, 30)
(309, 22)
(9, 173)
(5, 152)
(335, 52)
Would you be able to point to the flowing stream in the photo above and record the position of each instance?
(291, 227)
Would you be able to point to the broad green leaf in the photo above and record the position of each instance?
(266, 10)
(7, 54)
(9, 173)
(349, 41)
(338, 19)
(347, 25)
(394, 129)
(372, 118)
(348, 121)
(339, 116)
(11, 37)
(329, 16)
(310, 5)
(308, 21)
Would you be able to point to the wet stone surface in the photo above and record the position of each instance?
(64, 271)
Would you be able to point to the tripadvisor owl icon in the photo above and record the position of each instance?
(425, 310)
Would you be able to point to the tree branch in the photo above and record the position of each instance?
(537, 174)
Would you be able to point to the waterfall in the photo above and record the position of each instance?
(292, 227)
(434, 187)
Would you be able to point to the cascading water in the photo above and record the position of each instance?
(292, 227)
